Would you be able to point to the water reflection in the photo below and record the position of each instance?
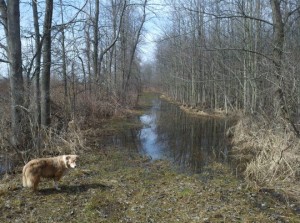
(191, 142)
(169, 133)
(149, 138)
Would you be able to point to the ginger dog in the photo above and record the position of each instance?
(54, 168)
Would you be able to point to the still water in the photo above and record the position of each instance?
(190, 142)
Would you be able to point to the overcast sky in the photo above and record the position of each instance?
(157, 14)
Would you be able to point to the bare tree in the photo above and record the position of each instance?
(228, 63)
(64, 62)
(45, 80)
(96, 40)
(134, 47)
(278, 42)
(36, 75)
(10, 14)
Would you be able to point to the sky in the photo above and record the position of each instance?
(156, 20)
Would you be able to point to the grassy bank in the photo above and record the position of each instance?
(115, 186)
(266, 151)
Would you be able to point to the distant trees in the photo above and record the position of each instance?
(232, 54)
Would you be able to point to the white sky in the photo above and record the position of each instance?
(156, 19)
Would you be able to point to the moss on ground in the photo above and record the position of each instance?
(113, 186)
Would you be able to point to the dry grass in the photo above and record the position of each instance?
(271, 152)
(4, 126)
(209, 113)
(114, 186)
(87, 109)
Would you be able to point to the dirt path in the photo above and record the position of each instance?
(111, 186)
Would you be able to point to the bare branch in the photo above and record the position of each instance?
(243, 15)
(4, 61)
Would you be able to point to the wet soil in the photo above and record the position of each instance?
(116, 185)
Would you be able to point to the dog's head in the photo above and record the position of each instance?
(70, 160)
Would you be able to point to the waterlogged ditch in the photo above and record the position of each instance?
(129, 176)
(168, 133)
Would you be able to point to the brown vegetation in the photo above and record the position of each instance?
(218, 56)
(114, 186)
(64, 135)
(270, 155)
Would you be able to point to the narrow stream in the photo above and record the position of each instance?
(190, 142)
(167, 132)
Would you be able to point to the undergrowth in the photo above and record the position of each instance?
(270, 153)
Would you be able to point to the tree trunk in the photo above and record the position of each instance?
(37, 93)
(10, 14)
(64, 66)
(36, 100)
(45, 82)
(88, 57)
(96, 40)
(278, 41)
(16, 78)
(280, 103)
(136, 41)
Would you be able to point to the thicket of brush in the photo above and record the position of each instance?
(69, 115)
(270, 154)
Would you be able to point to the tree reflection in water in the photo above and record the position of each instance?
(191, 142)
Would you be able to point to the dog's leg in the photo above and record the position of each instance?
(24, 180)
(56, 185)
(35, 183)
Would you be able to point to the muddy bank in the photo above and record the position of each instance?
(112, 186)
(198, 111)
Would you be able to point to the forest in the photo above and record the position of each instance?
(63, 61)
(240, 56)
(65, 66)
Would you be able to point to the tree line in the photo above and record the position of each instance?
(61, 53)
(233, 54)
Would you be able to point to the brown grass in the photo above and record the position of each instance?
(111, 185)
(271, 153)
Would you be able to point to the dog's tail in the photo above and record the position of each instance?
(26, 182)
(24, 176)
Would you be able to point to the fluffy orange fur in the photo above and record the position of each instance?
(53, 167)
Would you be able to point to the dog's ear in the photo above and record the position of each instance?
(68, 157)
